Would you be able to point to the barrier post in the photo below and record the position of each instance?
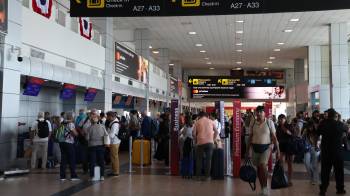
(141, 152)
(130, 154)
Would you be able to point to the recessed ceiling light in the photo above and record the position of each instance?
(294, 20)
(155, 52)
(171, 64)
(239, 44)
(240, 21)
(269, 62)
(192, 33)
(239, 62)
(237, 68)
(206, 58)
(199, 45)
(202, 51)
(288, 30)
(239, 32)
(266, 68)
(277, 50)
(280, 43)
(239, 50)
(212, 68)
(272, 58)
(150, 47)
(209, 63)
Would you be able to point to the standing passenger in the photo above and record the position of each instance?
(113, 130)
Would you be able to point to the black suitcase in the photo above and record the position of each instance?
(217, 165)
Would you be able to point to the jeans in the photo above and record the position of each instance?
(311, 164)
(204, 152)
(96, 154)
(115, 158)
(67, 156)
(82, 155)
(42, 148)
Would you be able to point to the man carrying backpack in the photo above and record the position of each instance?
(41, 130)
(113, 130)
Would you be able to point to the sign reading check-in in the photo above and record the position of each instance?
(129, 8)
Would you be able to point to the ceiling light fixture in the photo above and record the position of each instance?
(212, 68)
(288, 30)
(199, 45)
(269, 62)
(294, 20)
(277, 50)
(171, 64)
(150, 47)
(239, 62)
(202, 51)
(237, 68)
(239, 44)
(239, 50)
(155, 52)
(272, 58)
(209, 63)
(239, 32)
(280, 43)
(206, 58)
(266, 68)
(192, 33)
(239, 21)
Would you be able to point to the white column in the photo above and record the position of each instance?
(163, 62)
(10, 84)
(339, 69)
(142, 42)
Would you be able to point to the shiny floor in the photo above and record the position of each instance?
(150, 181)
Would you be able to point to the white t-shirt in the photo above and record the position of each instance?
(262, 131)
(113, 132)
(34, 128)
(69, 137)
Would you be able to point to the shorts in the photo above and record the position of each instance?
(261, 158)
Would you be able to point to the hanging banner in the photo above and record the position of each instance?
(85, 27)
(236, 137)
(174, 132)
(220, 112)
(42, 7)
(268, 114)
(133, 8)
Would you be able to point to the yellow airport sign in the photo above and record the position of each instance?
(191, 3)
(95, 3)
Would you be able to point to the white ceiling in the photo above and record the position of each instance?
(261, 34)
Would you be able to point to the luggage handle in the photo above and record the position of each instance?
(252, 185)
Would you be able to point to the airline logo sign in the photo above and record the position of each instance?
(190, 3)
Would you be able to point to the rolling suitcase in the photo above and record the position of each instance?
(217, 166)
(136, 152)
(187, 167)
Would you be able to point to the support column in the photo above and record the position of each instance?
(301, 87)
(339, 69)
(164, 61)
(10, 75)
(318, 57)
(142, 42)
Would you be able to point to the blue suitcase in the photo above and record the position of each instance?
(187, 167)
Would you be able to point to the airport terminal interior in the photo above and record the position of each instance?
(175, 97)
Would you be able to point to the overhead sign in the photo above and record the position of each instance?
(132, 8)
(174, 132)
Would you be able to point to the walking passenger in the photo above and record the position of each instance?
(332, 133)
(262, 133)
(113, 130)
(204, 132)
(311, 155)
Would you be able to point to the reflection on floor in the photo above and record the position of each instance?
(148, 181)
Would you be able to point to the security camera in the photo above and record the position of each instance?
(19, 59)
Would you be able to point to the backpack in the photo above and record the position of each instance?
(187, 147)
(43, 129)
(134, 123)
(59, 134)
(123, 133)
(154, 128)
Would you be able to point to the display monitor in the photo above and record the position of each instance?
(90, 94)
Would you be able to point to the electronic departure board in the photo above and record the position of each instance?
(130, 8)
(231, 87)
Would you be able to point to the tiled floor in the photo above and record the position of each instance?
(148, 182)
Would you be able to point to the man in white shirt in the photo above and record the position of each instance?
(41, 131)
(113, 130)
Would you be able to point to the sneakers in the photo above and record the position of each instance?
(341, 192)
(74, 179)
(264, 192)
(63, 179)
(102, 178)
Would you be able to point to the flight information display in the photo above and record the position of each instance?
(132, 8)
(230, 87)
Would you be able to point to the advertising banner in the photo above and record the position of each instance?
(133, 8)
(129, 64)
(236, 137)
(220, 111)
(174, 132)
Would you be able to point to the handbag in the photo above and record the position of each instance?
(247, 173)
(279, 179)
(106, 139)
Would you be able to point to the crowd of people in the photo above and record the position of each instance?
(319, 138)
